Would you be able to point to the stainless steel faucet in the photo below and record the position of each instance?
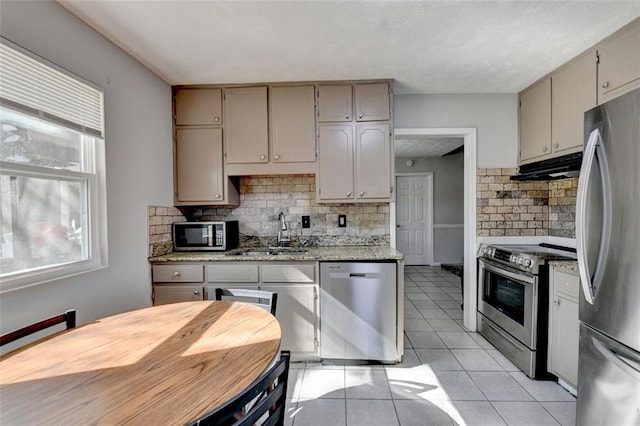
(282, 226)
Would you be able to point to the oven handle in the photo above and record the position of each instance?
(522, 278)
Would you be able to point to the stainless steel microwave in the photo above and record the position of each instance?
(205, 236)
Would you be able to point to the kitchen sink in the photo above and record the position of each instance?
(271, 251)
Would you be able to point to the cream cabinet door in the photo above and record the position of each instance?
(198, 107)
(619, 67)
(335, 103)
(246, 137)
(572, 94)
(335, 174)
(373, 161)
(292, 119)
(535, 121)
(372, 102)
(198, 166)
(167, 293)
(297, 313)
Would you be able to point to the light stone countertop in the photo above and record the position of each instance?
(334, 253)
(567, 265)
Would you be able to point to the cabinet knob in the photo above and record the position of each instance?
(556, 302)
(277, 157)
(176, 274)
(555, 145)
(347, 117)
(217, 195)
(196, 292)
(544, 149)
(360, 115)
(348, 194)
(216, 119)
(361, 193)
(605, 84)
(262, 157)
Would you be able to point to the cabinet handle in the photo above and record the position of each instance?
(262, 157)
(348, 194)
(277, 157)
(556, 302)
(544, 149)
(217, 195)
(216, 119)
(176, 274)
(555, 145)
(347, 117)
(360, 115)
(361, 194)
(605, 84)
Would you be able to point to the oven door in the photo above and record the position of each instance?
(508, 297)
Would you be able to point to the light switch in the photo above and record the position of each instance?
(342, 221)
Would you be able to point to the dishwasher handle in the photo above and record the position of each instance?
(361, 275)
(365, 275)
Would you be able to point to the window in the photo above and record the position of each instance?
(52, 172)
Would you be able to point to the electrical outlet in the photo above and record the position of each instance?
(342, 221)
(306, 222)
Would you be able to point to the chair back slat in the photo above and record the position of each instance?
(267, 300)
(69, 318)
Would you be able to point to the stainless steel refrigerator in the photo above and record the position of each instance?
(608, 245)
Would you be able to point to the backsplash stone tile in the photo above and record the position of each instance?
(262, 198)
(522, 208)
(160, 221)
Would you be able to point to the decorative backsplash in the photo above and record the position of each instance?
(160, 221)
(521, 208)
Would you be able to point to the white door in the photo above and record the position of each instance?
(413, 218)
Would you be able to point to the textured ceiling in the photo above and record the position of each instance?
(426, 46)
(422, 146)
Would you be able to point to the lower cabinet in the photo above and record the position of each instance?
(296, 283)
(562, 359)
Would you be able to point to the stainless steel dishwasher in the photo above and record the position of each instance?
(358, 311)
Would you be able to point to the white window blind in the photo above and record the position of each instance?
(37, 88)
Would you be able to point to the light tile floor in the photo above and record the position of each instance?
(448, 376)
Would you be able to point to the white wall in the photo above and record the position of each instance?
(493, 115)
(138, 157)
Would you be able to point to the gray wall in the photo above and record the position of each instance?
(448, 203)
(138, 158)
(493, 115)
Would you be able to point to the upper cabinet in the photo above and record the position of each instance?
(373, 102)
(572, 95)
(619, 63)
(335, 103)
(292, 124)
(534, 117)
(246, 125)
(198, 107)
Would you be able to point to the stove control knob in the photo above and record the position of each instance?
(520, 260)
(528, 263)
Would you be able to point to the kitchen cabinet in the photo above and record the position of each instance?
(372, 102)
(562, 358)
(335, 103)
(571, 95)
(292, 124)
(246, 125)
(198, 107)
(534, 118)
(164, 294)
(354, 170)
(177, 283)
(619, 63)
(199, 176)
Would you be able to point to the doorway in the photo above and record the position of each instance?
(414, 217)
(470, 164)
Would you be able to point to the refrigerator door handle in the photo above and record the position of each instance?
(590, 285)
(626, 364)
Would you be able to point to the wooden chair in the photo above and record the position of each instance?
(265, 299)
(69, 317)
(265, 399)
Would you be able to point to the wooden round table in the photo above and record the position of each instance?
(167, 364)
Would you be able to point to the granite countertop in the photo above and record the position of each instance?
(567, 265)
(373, 253)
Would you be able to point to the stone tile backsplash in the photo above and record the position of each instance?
(521, 208)
(160, 221)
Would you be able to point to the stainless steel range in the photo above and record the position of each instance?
(513, 298)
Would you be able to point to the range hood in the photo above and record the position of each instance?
(555, 168)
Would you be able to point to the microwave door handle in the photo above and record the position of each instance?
(210, 235)
(591, 281)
